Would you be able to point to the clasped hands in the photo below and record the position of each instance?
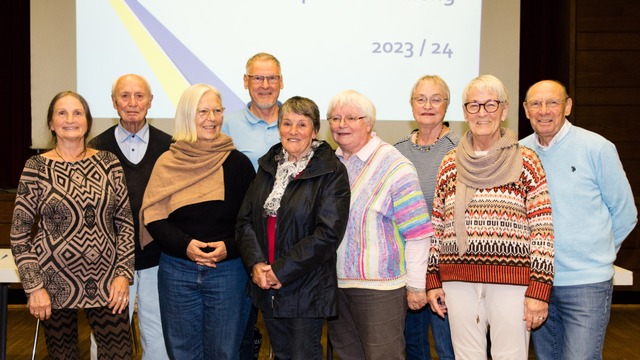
(263, 276)
(209, 259)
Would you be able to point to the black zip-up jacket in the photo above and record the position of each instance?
(311, 222)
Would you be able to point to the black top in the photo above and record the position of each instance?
(209, 220)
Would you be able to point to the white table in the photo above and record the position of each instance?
(622, 277)
(8, 275)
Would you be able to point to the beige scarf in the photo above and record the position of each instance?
(188, 173)
(501, 165)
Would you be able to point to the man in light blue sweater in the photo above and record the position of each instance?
(593, 212)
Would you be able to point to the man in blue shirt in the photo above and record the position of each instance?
(254, 129)
(593, 212)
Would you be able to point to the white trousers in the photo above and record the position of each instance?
(477, 308)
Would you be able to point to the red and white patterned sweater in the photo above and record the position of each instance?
(510, 231)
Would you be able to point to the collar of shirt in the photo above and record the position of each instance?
(366, 151)
(136, 142)
(254, 119)
(564, 130)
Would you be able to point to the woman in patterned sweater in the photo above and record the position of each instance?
(493, 254)
(82, 253)
(382, 259)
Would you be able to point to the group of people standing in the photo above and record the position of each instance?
(481, 237)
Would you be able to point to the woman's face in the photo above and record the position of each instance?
(209, 117)
(69, 120)
(296, 134)
(429, 103)
(349, 128)
(484, 125)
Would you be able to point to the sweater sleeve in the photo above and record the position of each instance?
(446, 173)
(413, 222)
(123, 221)
(28, 197)
(616, 193)
(538, 210)
(170, 237)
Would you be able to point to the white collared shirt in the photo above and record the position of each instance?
(133, 146)
(564, 130)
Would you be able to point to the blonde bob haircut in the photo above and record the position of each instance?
(184, 125)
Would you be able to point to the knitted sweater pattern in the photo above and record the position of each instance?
(509, 227)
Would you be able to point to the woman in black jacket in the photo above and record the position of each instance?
(291, 222)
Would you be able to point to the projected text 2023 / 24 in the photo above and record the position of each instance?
(409, 49)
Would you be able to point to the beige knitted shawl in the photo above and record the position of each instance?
(188, 173)
(501, 165)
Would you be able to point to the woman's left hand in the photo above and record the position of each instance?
(119, 294)
(535, 312)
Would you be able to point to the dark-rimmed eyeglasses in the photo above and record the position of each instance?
(490, 106)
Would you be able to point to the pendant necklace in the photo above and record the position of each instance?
(76, 175)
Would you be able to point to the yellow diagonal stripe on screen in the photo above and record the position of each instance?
(170, 79)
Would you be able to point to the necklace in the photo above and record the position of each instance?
(83, 153)
(427, 147)
(75, 173)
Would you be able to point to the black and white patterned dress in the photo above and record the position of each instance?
(85, 234)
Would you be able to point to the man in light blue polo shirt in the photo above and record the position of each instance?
(254, 129)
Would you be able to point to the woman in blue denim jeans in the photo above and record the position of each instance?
(189, 208)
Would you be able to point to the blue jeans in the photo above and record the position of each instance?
(416, 334)
(576, 324)
(204, 310)
(145, 285)
(295, 338)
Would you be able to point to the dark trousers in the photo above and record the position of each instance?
(112, 333)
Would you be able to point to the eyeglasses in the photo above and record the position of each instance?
(204, 113)
(550, 104)
(348, 119)
(259, 79)
(490, 106)
(435, 101)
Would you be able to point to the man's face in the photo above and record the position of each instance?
(546, 107)
(132, 100)
(264, 94)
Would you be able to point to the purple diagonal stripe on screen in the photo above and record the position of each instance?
(185, 61)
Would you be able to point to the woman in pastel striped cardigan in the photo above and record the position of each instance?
(382, 259)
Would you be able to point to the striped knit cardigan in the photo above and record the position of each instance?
(510, 231)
